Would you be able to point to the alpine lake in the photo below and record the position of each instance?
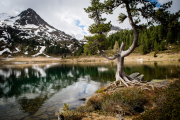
(38, 91)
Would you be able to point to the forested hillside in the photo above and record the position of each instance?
(27, 34)
(155, 38)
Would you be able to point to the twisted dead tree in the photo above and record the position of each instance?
(134, 10)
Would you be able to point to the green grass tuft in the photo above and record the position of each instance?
(167, 105)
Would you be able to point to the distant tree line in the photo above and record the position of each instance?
(56, 49)
(155, 38)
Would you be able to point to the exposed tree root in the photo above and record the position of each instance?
(131, 80)
(128, 80)
(124, 82)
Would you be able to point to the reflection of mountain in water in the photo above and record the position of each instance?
(38, 90)
(34, 85)
(46, 80)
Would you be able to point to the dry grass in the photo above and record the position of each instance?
(127, 102)
(167, 104)
(94, 59)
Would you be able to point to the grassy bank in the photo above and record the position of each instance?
(147, 103)
(172, 53)
(91, 59)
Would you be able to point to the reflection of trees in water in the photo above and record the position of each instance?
(31, 105)
(154, 72)
(60, 76)
(100, 76)
(30, 82)
(26, 82)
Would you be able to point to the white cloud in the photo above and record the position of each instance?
(62, 14)
(175, 6)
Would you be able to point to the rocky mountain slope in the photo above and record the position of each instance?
(29, 32)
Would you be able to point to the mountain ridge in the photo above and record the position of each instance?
(29, 28)
(27, 32)
(29, 16)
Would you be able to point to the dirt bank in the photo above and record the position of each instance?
(131, 57)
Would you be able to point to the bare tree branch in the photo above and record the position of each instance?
(109, 58)
(122, 47)
(136, 34)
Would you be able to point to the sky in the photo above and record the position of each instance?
(68, 15)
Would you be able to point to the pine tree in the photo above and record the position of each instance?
(134, 9)
(98, 28)
(169, 37)
(116, 47)
(161, 32)
(162, 45)
(143, 49)
(178, 38)
(156, 46)
(147, 42)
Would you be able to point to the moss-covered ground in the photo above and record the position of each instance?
(131, 103)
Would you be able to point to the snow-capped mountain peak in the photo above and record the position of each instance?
(28, 26)
(29, 16)
(4, 16)
(30, 22)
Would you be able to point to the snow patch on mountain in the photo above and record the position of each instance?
(5, 34)
(4, 16)
(31, 26)
(17, 50)
(5, 50)
(3, 39)
(50, 29)
(69, 46)
(36, 48)
(26, 53)
(41, 52)
(11, 21)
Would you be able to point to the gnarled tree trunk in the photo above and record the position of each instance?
(120, 74)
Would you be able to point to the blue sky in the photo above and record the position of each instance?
(158, 5)
(77, 22)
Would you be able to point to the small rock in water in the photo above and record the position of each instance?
(133, 75)
(56, 113)
(140, 78)
(83, 99)
(119, 117)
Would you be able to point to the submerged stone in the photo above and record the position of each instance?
(43, 117)
(51, 108)
(39, 112)
(82, 99)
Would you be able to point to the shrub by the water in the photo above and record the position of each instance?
(128, 100)
(167, 105)
(157, 104)
(68, 114)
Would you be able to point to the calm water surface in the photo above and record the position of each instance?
(38, 91)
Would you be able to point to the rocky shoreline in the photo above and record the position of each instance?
(118, 111)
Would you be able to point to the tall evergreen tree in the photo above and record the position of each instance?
(161, 32)
(169, 37)
(178, 38)
(98, 28)
(116, 47)
(134, 9)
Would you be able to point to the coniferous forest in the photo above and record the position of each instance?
(154, 38)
